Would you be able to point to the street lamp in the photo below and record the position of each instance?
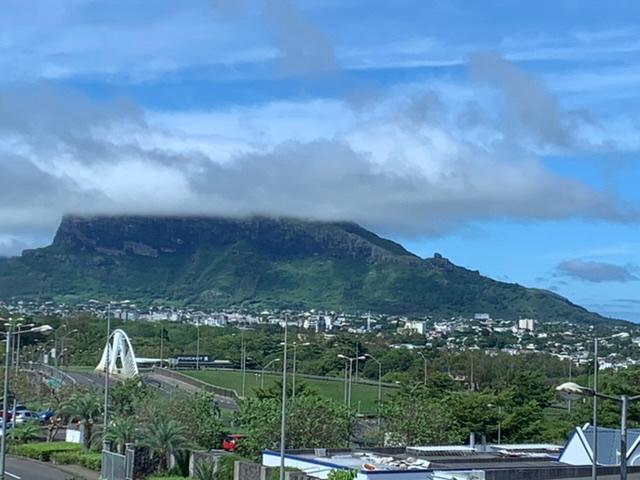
(17, 333)
(5, 394)
(264, 368)
(293, 381)
(283, 420)
(379, 381)
(71, 332)
(350, 360)
(573, 391)
(198, 345)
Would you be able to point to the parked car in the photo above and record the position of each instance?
(45, 417)
(230, 442)
(26, 416)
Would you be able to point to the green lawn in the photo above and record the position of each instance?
(363, 396)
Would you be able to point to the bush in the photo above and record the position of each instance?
(90, 460)
(173, 477)
(43, 451)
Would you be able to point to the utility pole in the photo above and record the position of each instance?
(106, 370)
(594, 464)
(283, 420)
(5, 401)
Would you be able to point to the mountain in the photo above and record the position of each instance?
(259, 261)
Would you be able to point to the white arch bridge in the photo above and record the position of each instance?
(119, 353)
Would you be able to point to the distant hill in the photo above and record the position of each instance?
(220, 262)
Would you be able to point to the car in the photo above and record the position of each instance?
(45, 416)
(230, 442)
(26, 416)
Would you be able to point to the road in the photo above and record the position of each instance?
(24, 469)
(170, 385)
(93, 380)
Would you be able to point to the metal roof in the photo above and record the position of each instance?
(609, 443)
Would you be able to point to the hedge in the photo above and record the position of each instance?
(90, 460)
(42, 451)
(156, 477)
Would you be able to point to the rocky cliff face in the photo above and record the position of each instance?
(275, 262)
(155, 236)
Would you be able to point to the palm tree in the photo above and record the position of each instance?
(86, 408)
(164, 437)
(121, 431)
(26, 432)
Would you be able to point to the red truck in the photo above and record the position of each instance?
(230, 442)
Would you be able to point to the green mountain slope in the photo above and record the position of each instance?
(220, 262)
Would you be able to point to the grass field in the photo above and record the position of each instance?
(363, 396)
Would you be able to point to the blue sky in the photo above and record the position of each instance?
(501, 134)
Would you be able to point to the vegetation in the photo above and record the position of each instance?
(43, 451)
(312, 421)
(262, 262)
(164, 437)
(26, 433)
(86, 408)
(90, 460)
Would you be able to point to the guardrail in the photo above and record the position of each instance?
(361, 381)
(52, 372)
(194, 382)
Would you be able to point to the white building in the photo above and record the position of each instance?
(527, 324)
(417, 326)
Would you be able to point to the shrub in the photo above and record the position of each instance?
(43, 451)
(90, 460)
(173, 477)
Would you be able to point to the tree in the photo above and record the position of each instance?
(86, 408)
(121, 431)
(200, 415)
(312, 421)
(413, 417)
(125, 396)
(164, 437)
(26, 432)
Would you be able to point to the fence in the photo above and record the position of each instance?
(116, 466)
(52, 372)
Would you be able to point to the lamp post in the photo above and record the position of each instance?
(351, 360)
(71, 332)
(573, 391)
(197, 344)
(424, 367)
(283, 420)
(105, 420)
(17, 334)
(264, 368)
(379, 381)
(9, 334)
(293, 378)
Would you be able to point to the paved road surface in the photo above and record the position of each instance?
(23, 469)
(170, 385)
(93, 380)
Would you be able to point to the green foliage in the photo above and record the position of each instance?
(124, 396)
(200, 416)
(415, 418)
(342, 475)
(86, 408)
(261, 261)
(122, 430)
(226, 466)
(90, 460)
(26, 432)
(204, 470)
(43, 451)
(164, 437)
(312, 421)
